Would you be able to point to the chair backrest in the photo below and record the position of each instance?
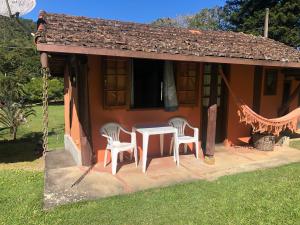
(179, 123)
(112, 130)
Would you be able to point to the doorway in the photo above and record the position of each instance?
(287, 85)
(214, 91)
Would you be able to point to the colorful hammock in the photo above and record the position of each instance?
(259, 123)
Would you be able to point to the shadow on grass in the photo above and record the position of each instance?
(25, 149)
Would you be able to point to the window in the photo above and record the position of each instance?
(187, 83)
(147, 85)
(116, 73)
(270, 82)
(139, 83)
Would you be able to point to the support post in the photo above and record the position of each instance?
(211, 134)
(266, 28)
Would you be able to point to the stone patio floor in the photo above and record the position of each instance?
(65, 182)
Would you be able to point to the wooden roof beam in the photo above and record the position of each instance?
(162, 56)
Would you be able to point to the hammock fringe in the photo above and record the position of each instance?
(274, 126)
(259, 123)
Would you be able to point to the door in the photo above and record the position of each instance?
(214, 91)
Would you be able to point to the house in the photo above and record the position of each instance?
(113, 71)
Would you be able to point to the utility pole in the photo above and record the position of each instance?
(266, 28)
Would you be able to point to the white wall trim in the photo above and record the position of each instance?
(73, 149)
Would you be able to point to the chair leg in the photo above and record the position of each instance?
(105, 157)
(185, 148)
(114, 161)
(197, 149)
(121, 157)
(171, 146)
(135, 156)
(131, 154)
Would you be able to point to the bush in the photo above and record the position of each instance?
(34, 90)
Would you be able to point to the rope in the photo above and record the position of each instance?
(46, 74)
(236, 99)
(258, 122)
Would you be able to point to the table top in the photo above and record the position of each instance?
(157, 130)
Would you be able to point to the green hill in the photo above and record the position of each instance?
(19, 58)
(18, 55)
(12, 34)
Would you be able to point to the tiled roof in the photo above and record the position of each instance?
(78, 31)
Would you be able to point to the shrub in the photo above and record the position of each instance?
(34, 90)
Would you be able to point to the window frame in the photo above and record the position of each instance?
(129, 83)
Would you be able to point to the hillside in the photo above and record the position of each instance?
(19, 59)
(17, 51)
(12, 34)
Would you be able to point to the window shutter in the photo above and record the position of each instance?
(187, 83)
(116, 74)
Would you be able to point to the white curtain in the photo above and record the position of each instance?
(170, 96)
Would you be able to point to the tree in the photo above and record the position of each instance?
(207, 19)
(13, 111)
(179, 21)
(166, 22)
(19, 58)
(34, 90)
(248, 16)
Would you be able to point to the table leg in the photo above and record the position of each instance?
(161, 144)
(145, 150)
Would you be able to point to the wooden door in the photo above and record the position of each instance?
(214, 92)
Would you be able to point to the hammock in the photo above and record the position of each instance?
(259, 123)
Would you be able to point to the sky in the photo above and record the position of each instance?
(143, 11)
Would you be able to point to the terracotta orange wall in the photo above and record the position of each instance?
(126, 117)
(294, 103)
(241, 81)
(71, 92)
(270, 103)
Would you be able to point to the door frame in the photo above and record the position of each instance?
(222, 110)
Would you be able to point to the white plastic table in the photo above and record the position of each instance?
(155, 130)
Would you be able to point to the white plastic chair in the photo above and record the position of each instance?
(111, 131)
(180, 124)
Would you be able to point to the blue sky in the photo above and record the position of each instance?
(128, 10)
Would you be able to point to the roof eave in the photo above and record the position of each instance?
(43, 47)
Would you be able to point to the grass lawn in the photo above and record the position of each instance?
(20, 153)
(263, 197)
(295, 144)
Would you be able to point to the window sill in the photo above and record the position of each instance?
(147, 109)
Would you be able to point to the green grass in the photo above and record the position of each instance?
(20, 153)
(295, 144)
(33, 129)
(263, 197)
